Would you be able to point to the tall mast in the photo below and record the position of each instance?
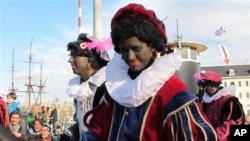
(29, 85)
(42, 85)
(12, 73)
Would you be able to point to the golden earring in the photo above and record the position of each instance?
(155, 54)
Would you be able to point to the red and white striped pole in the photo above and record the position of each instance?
(79, 16)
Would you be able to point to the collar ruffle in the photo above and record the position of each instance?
(230, 90)
(81, 91)
(132, 93)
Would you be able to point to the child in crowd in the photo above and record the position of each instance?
(11, 103)
(35, 114)
(46, 112)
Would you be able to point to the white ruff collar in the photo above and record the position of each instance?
(230, 90)
(132, 93)
(81, 91)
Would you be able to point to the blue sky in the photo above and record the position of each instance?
(51, 24)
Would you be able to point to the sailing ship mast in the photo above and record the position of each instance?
(12, 73)
(30, 85)
(41, 86)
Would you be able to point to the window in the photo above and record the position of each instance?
(240, 95)
(225, 84)
(184, 52)
(231, 72)
(247, 95)
(193, 54)
(246, 83)
(239, 83)
(232, 83)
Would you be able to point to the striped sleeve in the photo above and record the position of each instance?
(185, 121)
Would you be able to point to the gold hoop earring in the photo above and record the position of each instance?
(155, 54)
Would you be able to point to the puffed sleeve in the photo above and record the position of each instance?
(186, 121)
(232, 114)
(98, 121)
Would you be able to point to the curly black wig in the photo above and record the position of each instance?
(93, 56)
(135, 21)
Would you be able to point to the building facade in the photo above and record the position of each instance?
(238, 75)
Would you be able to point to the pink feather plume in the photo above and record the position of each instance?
(197, 77)
(100, 45)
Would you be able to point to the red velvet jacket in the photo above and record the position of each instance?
(172, 114)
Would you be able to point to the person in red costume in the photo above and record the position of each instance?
(219, 103)
(144, 99)
(4, 116)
